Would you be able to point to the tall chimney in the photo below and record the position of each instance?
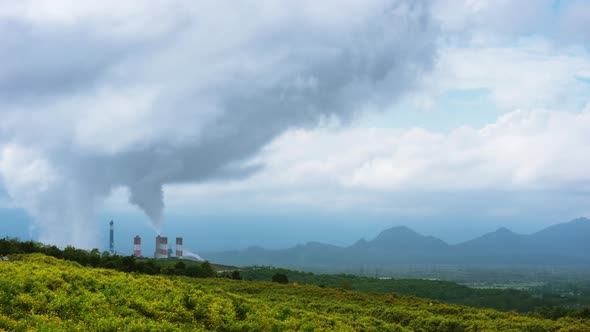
(178, 247)
(161, 247)
(137, 246)
(111, 238)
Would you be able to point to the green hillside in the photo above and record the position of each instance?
(38, 292)
(534, 300)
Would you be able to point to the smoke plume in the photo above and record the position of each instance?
(143, 94)
(190, 254)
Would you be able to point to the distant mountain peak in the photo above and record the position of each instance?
(398, 230)
(395, 233)
(504, 230)
(361, 241)
(400, 238)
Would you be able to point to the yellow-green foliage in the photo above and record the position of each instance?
(41, 293)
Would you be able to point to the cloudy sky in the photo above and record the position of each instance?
(279, 122)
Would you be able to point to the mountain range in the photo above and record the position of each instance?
(566, 244)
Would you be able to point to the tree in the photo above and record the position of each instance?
(149, 267)
(52, 251)
(236, 275)
(193, 271)
(127, 264)
(207, 269)
(94, 257)
(180, 268)
(280, 278)
(29, 247)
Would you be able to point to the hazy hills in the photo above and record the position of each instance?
(557, 245)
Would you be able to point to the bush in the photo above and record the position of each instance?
(280, 278)
(236, 275)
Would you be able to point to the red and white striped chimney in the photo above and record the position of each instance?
(179, 247)
(161, 247)
(137, 246)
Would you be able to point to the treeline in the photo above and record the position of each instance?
(95, 258)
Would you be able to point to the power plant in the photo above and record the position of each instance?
(162, 249)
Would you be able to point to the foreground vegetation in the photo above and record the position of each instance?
(550, 302)
(38, 292)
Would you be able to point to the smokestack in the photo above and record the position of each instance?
(178, 247)
(112, 238)
(137, 246)
(161, 247)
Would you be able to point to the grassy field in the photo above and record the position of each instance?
(41, 293)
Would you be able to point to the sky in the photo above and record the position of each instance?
(273, 123)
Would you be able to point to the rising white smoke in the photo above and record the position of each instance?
(142, 94)
(191, 255)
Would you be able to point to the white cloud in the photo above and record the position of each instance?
(563, 23)
(473, 17)
(527, 75)
(528, 54)
(522, 151)
(113, 19)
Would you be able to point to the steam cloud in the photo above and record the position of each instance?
(190, 254)
(146, 94)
